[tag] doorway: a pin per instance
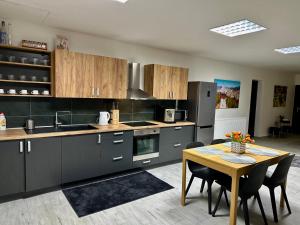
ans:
(253, 107)
(296, 114)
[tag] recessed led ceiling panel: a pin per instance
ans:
(238, 28)
(289, 50)
(121, 1)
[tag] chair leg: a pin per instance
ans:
(257, 196)
(218, 202)
(285, 198)
(209, 184)
(273, 201)
(226, 198)
(246, 212)
(202, 186)
(189, 185)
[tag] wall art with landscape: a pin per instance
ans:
(228, 94)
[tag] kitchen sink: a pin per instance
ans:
(60, 129)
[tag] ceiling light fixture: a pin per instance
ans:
(238, 28)
(289, 50)
(121, 1)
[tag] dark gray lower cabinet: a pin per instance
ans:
(81, 157)
(43, 163)
(117, 149)
(12, 169)
(173, 140)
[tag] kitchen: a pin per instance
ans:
(90, 112)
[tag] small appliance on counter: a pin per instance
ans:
(180, 115)
(103, 119)
(166, 115)
(30, 124)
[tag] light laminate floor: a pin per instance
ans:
(163, 208)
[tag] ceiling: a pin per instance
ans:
(178, 25)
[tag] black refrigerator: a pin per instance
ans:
(202, 108)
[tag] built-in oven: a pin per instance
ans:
(146, 144)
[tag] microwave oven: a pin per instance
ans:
(180, 115)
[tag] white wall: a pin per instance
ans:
(200, 68)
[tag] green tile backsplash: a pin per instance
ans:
(42, 110)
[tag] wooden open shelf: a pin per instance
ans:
(19, 48)
(24, 81)
(24, 64)
(10, 95)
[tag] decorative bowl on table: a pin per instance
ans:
(239, 141)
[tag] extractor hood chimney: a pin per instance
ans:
(135, 83)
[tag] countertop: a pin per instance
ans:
(19, 133)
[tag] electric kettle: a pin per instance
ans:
(104, 117)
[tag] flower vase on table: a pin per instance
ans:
(239, 141)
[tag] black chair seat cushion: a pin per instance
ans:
(267, 180)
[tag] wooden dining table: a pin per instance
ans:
(234, 170)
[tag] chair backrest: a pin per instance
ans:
(195, 145)
(280, 173)
(192, 165)
(254, 181)
(218, 141)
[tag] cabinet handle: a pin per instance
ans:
(147, 162)
(21, 147)
(169, 94)
(118, 141)
(178, 128)
(93, 91)
(28, 146)
(118, 158)
(177, 145)
(99, 139)
(118, 133)
(98, 91)
(172, 95)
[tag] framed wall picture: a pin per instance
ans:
(280, 93)
(228, 94)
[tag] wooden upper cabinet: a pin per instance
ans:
(74, 74)
(166, 82)
(179, 83)
(111, 77)
(79, 75)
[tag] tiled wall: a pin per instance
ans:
(42, 110)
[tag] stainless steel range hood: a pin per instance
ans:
(136, 83)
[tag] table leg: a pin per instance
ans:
(234, 198)
(183, 182)
(281, 197)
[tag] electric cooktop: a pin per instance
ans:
(139, 124)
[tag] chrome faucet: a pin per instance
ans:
(57, 123)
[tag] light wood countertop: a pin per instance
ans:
(19, 133)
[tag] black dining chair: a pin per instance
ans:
(278, 178)
(206, 174)
(248, 188)
(218, 141)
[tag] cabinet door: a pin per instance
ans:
(74, 74)
(43, 163)
(179, 83)
(12, 172)
(173, 140)
(158, 81)
(111, 77)
(81, 157)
